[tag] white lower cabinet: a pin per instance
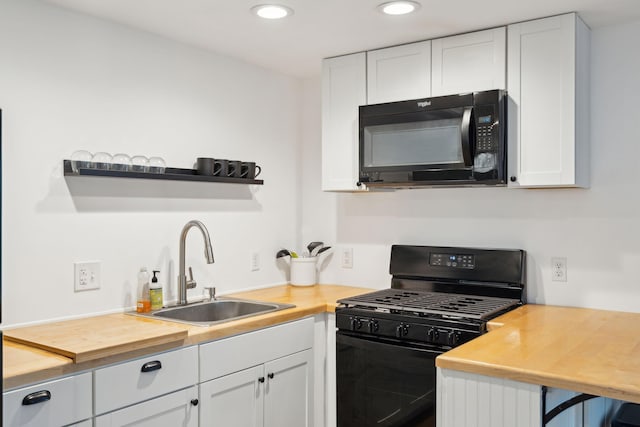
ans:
(262, 378)
(275, 394)
(179, 408)
(54, 403)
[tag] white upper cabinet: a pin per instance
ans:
(344, 89)
(548, 85)
(399, 73)
(468, 62)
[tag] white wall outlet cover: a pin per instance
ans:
(255, 261)
(559, 269)
(86, 275)
(347, 257)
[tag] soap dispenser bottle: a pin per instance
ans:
(143, 304)
(155, 292)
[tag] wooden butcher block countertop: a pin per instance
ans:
(40, 352)
(584, 350)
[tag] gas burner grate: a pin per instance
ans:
(422, 302)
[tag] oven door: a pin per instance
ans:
(383, 382)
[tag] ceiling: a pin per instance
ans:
(324, 28)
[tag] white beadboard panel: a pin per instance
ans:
(470, 400)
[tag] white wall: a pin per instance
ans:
(70, 82)
(597, 229)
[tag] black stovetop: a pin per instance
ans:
(432, 303)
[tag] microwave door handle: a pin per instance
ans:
(466, 128)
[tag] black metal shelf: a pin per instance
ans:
(170, 174)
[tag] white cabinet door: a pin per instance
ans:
(548, 85)
(343, 91)
(468, 62)
(235, 400)
(175, 409)
(399, 73)
(287, 400)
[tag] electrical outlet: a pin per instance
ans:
(347, 258)
(255, 261)
(559, 269)
(86, 275)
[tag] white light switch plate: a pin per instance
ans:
(347, 258)
(86, 275)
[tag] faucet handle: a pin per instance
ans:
(191, 283)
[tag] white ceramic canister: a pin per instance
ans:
(303, 271)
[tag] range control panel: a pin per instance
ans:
(453, 260)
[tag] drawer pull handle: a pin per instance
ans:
(261, 379)
(194, 402)
(151, 366)
(36, 397)
(270, 375)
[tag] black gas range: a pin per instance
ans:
(387, 340)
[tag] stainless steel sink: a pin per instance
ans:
(213, 312)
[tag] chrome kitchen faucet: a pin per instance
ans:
(183, 283)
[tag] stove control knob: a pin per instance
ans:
(373, 326)
(355, 323)
(454, 338)
(431, 335)
(402, 330)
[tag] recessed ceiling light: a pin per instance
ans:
(399, 7)
(272, 11)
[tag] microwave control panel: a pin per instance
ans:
(486, 123)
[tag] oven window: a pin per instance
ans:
(425, 143)
(380, 383)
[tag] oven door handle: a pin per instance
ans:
(467, 129)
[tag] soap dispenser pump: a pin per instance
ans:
(155, 292)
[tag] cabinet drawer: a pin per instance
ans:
(175, 409)
(131, 382)
(59, 402)
(233, 354)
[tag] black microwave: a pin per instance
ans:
(455, 140)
